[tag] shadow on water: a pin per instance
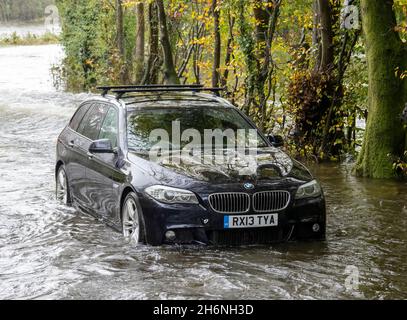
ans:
(49, 251)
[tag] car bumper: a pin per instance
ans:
(302, 220)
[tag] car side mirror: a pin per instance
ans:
(276, 141)
(101, 146)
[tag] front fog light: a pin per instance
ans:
(170, 235)
(316, 227)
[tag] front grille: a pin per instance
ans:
(269, 201)
(239, 237)
(239, 202)
(230, 202)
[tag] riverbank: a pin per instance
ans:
(29, 39)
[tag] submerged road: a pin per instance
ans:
(48, 251)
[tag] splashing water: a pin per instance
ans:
(48, 251)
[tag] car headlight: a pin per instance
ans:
(309, 190)
(171, 195)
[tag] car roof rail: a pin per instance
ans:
(122, 90)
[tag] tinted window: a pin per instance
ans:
(92, 122)
(142, 122)
(110, 127)
(78, 116)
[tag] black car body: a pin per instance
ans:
(101, 170)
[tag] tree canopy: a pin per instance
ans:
(298, 68)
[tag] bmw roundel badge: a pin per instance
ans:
(248, 186)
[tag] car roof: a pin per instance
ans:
(162, 99)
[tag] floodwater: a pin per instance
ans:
(23, 30)
(48, 251)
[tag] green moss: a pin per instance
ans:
(385, 136)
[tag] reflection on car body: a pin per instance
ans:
(104, 168)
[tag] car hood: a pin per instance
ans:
(267, 164)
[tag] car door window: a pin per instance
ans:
(109, 129)
(78, 116)
(92, 122)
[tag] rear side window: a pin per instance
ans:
(109, 128)
(92, 122)
(78, 116)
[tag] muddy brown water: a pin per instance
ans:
(48, 251)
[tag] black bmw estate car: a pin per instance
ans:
(105, 167)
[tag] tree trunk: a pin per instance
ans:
(263, 62)
(119, 26)
(315, 23)
(316, 33)
(384, 138)
(140, 42)
(229, 51)
(196, 57)
(170, 75)
(120, 39)
(3, 12)
(217, 48)
(327, 49)
(153, 61)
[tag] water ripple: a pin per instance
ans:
(48, 251)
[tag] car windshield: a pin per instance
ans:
(187, 124)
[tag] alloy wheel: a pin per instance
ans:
(131, 222)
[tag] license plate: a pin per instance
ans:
(252, 221)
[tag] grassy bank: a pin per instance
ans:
(29, 39)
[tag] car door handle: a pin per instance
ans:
(71, 144)
(90, 156)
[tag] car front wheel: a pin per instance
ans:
(132, 220)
